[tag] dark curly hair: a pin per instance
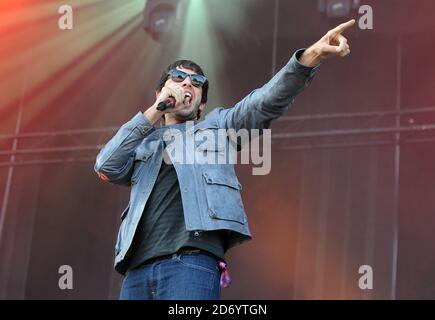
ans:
(187, 64)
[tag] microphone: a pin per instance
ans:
(168, 103)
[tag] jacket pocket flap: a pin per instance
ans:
(142, 154)
(209, 145)
(214, 177)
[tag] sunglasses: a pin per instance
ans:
(179, 76)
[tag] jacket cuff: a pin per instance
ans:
(309, 72)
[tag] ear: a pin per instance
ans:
(157, 94)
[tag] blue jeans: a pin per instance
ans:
(185, 276)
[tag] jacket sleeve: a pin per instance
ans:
(261, 106)
(115, 160)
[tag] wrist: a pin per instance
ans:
(310, 57)
(152, 114)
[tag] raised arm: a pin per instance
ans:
(258, 109)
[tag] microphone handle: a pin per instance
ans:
(162, 106)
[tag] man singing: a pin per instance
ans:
(183, 217)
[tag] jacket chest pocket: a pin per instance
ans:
(224, 201)
(140, 161)
(210, 146)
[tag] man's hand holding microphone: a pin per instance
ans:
(169, 100)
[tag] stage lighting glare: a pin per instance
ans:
(338, 8)
(163, 17)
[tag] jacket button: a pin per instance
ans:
(196, 234)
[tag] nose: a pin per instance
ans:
(186, 82)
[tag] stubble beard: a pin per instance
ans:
(187, 115)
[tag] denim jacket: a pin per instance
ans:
(210, 192)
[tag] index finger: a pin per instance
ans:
(343, 27)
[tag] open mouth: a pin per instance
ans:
(187, 98)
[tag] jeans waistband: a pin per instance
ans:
(184, 250)
(225, 279)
